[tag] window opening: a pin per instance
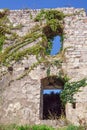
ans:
(51, 104)
(56, 45)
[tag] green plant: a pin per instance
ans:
(49, 14)
(72, 127)
(54, 26)
(23, 127)
(48, 71)
(3, 27)
(62, 128)
(9, 53)
(63, 77)
(13, 36)
(40, 16)
(39, 127)
(53, 18)
(70, 89)
(44, 47)
(19, 26)
(49, 47)
(42, 127)
(2, 39)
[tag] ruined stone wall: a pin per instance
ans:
(20, 99)
(76, 62)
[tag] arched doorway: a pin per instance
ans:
(51, 104)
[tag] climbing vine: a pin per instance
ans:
(52, 27)
(3, 27)
(70, 88)
(53, 21)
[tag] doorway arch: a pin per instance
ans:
(50, 101)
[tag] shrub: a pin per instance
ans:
(72, 127)
(42, 127)
(25, 127)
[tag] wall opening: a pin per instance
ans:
(51, 104)
(52, 40)
(56, 45)
(74, 105)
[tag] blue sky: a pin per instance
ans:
(56, 45)
(33, 4)
(47, 91)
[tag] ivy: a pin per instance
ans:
(2, 39)
(53, 26)
(63, 77)
(54, 14)
(49, 14)
(53, 19)
(12, 52)
(40, 16)
(32, 50)
(70, 89)
(48, 71)
(49, 46)
(42, 49)
(3, 27)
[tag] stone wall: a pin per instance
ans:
(76, 62)
(20, 99)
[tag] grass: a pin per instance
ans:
(39, 127)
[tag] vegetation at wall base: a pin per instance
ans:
(40, 127)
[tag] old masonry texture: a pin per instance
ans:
(20, 99)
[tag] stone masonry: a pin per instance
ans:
(20, 99)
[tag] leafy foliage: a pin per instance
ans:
(49, 14)
(3, 27)
(53, 18)
(43, 48)
(39, 127)
(2, 39)
(70, 89)
(42, 127)
(53, 26)
(72, 127)
(48, 71)
(49, 46)
(25, 127)
(40, 16)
